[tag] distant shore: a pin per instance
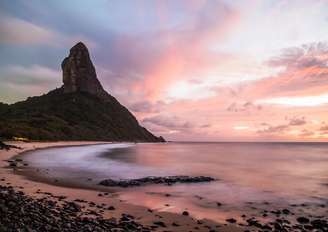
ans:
(105, 205)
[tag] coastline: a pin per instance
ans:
(142, 215)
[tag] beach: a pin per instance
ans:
(84, 180)
(104, 204)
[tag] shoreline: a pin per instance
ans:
(146, 217)
(108, 204)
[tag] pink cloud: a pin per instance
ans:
(185, 50)
(305, 71)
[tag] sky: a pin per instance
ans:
(189, 70)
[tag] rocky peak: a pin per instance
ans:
(79, 74)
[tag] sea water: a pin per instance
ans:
(249, 175)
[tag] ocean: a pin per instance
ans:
(251, 177)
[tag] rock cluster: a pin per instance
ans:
(284, 220)
(79, 74)
(168, 180)
(281, 224)
(19, 212)
(7, 147)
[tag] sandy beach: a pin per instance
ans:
(97, 201)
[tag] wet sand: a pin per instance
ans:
(104, 203)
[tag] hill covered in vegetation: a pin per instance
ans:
(80, 110)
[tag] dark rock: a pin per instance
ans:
(175, 224)
(155, 180)
(308, 227)
(231, 220)
(72, 207)
(303, 220)
(285, 211)
(4, 146)
(79, 74)
(277, 212)
(278, 226)
(159, 223)
(253, 222)
(185, 213)
(320, 224)
(13, 164)
(22, 213)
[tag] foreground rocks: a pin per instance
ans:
(19, 212)
(16, 163)
(168, 180)
(299, 218)
(7, 147)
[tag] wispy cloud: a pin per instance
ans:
(27, 81)
(304, 72)
(147, 107)
(309, 101)
(242, 107)
(15, 31)
(273, 129)
(169, 122)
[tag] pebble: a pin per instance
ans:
(185, 213)
(303, 220)
(23, 213)
(231, 220)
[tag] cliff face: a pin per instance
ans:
(80, 110)
(79, 74)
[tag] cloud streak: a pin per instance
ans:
(293, 122)
(27, 81)
(15, 31)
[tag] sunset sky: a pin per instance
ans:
(189, 70)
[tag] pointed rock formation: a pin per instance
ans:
(79, 74)
(80, 110)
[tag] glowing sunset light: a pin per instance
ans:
(185, 90)
(240, 127)
(298, 101)
(189, 70)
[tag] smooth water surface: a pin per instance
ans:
(248, 173)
